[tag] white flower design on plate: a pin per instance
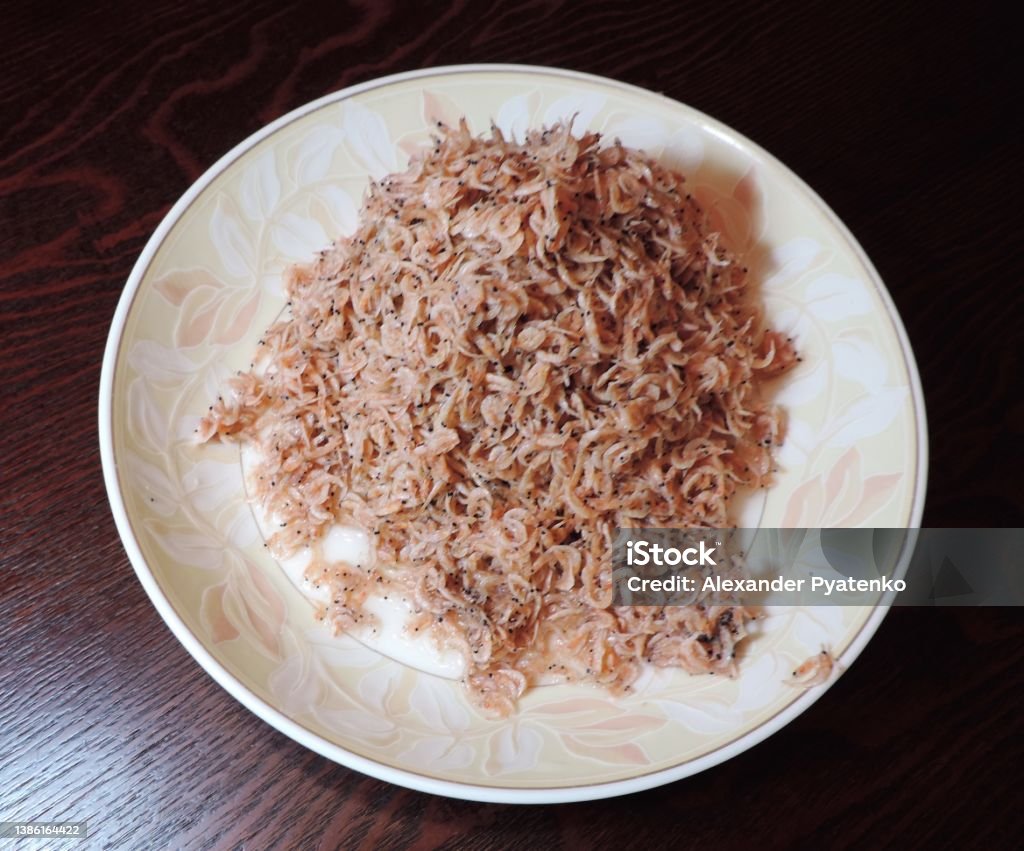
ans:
(368, 139)
(580, 107)
(513, 747)
(260, 187)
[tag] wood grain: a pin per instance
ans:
(902, 116)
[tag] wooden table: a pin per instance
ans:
(905, 120)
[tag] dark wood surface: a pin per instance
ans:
(903, 117)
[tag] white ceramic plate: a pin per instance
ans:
(209, 282)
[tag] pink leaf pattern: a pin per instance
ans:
(175, 286)
(624, 754)
(214, 619)
(438, 107)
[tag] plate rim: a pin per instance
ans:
(379, 770)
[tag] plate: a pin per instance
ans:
(209, 282)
